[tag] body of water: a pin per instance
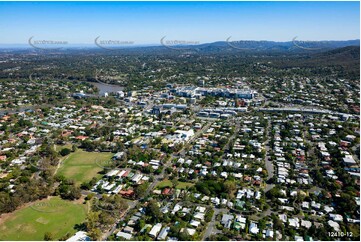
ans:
(103, 88)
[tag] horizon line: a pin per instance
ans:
(94, 44)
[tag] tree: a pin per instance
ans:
(175, 182)
(347, 203)
(153, 210)
(89, 196)
(274, 193)
(48, 236)
(65, 152)
(92, 220)
(140, 224)
(209, 215)
(70, 192)
(65, 237)
(184, 236)
(140, 190)
(230, 187)
(95, 234)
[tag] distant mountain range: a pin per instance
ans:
(221, 46)
(348, 58)
(295, 45)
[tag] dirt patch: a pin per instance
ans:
(80, 200)
(42, 220)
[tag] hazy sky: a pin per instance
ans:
(148, 22)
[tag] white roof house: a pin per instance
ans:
(137, 178)
(268, 233)
(201, 209)
(253, 228)
(176, 208)
(349, 160)
(336, 217)
(294, 222)
(79, 236)
(112, 173)
(334, 225)
(199, 216)
(306, 224)
(191, 231)
(195, 223)
(126, 236)
(155, 230)
(241, 219)
(163, 234)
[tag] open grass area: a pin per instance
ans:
(60, 147)
(168, 183)
(184, 185)
(164, 183)
(49, 215)
(82, 166)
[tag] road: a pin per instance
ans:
(268, 163)
(211, 225)
(131, 205)
(195, 136)
(151, 187)
(354, 149)
(157, 178)
(236, 131)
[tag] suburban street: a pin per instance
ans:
(268, 163)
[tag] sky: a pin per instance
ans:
(203, 22)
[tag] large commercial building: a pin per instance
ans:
(194, 92)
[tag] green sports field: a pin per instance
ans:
(82, 166)
(49, 215)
